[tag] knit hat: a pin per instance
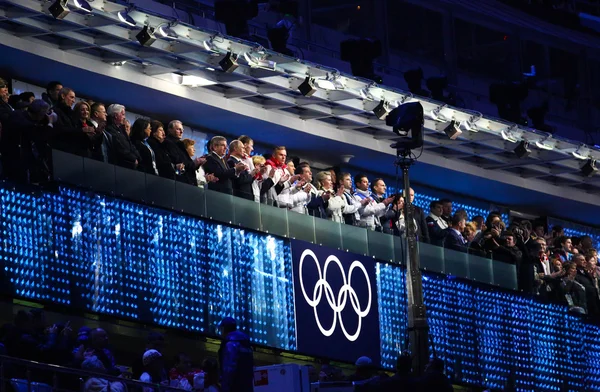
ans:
(150, 356)
(363, 362)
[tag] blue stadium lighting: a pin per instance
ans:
(168, 270)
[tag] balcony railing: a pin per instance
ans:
(169, 194)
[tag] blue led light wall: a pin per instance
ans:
(109, 256)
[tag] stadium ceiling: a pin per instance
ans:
(189, 56)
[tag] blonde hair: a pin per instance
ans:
(471, 226)
(258, 160)
(321, 176)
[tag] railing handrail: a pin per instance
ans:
(81, 372)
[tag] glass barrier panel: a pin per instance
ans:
(130, 184)
(480, 269)
(190, 199)
(301, 226)
(456, 263)
(400, 249)
(328, 233)
(354, 239)
(274, 220)
(246, 213)
(99, 176)
(432, 258)
(160, 191)
(67, 168)
(381, 246)
(505, 275)
(219, 206)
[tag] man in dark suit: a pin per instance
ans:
(419, 217)
(242, 184)
(454, 239)
(215, 165)
(69, 135)
(125, 153)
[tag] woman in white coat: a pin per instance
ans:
(336, 202)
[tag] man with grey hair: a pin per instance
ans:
(124, 152)
(242, 184)
(174, 145)
(215, 164)
(26, 154)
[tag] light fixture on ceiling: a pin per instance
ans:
(195, 81)
(165, 30)
(125, 18)
(522, 150)
(437, 115)
(546, 143)
(229, 62)
(307, 88)
(450, 128)
(471, 124)
(331, 82)
(146, 36)
(259, 60)
(588, 169)
(59, 9)
(210, 46)
(511, 134)
(382, 109)
(83, 5)
(582, 152)
(118, 64)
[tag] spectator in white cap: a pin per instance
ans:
(153, 369)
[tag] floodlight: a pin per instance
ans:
(59, 9)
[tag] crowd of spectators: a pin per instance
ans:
(549, 264)
(30, 337)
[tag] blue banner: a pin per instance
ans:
(336, 303)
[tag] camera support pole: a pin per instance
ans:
(417, 318)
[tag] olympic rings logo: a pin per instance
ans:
(338, 303)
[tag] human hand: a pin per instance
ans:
(211, 178)
(284, 178)
(326, 196)
(365, 201)
(272, 173)
(240, 166)
(300, 184)
(200, 161)
(295, 178)
(388, 201)
(340, 190)
(89, 130)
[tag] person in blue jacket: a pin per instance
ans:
(236, 358)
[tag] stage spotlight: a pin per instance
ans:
(125, 18)
(83, 5)
(146, 36)
(450, 128)
(229, 62)
(360, 53)
(307, 88)
(382, 110)
(589, 168)
(522, 150)
(59, 9)
(407, 122)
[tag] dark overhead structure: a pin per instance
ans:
(59, 9)
(360, 53)
(522, 150)
(235, 14)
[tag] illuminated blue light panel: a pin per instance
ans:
(109, 256)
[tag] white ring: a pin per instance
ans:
(337, 303)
